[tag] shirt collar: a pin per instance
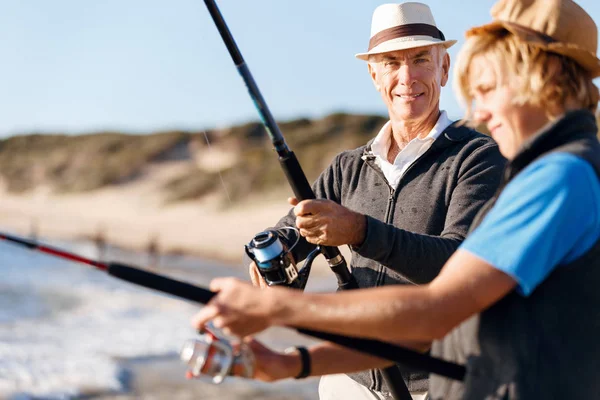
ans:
(381, 143)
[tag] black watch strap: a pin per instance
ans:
(304, 361)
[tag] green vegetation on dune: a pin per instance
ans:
(257, 169)
(79, 163)
(68, 163)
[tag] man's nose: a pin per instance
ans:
(406, 75)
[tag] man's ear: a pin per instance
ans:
(445, 69)
(373, 73)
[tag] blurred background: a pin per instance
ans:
(126, 134)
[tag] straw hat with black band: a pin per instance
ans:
(403, 26)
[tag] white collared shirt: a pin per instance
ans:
(409, 154)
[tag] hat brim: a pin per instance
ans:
(403, 44)
(583, 57)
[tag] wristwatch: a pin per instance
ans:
(304, 360)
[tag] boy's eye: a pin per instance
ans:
(483, 90)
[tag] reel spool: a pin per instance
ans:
(275, 262)
(215, 357)
(273, 259)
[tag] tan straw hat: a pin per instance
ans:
(557, 26)
(403, 26)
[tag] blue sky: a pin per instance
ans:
(147, 65)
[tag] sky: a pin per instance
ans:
(141, 66)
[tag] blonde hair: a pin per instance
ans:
(540, 78)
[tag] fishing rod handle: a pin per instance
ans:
(161, 283)
(398, 354)
(392, 375)
(345, 279)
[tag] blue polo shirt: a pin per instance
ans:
(547, 216)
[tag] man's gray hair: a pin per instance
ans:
(374, 58)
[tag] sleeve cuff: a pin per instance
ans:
(375, 232)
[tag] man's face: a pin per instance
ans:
(410, 81)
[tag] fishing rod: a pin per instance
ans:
(302, 189)
(201, 295)
(125, 272)
(289, 163)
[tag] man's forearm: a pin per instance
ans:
(328, 358)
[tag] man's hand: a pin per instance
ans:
(324, 222)
(269, 365)
(256, 277)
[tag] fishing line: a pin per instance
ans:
(219, 171)
(291, 228)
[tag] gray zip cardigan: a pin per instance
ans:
(414, 228)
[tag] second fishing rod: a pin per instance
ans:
(201, 295)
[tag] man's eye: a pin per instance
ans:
(421, 60)
(391, 63)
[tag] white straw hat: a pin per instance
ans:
(403, 26)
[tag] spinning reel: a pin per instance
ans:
(275, 262)
(216, 356)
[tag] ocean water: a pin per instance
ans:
(64, 326)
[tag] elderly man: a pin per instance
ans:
(404, 201)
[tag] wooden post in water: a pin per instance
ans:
(99, 240)
(153, 252)
(34, 229)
